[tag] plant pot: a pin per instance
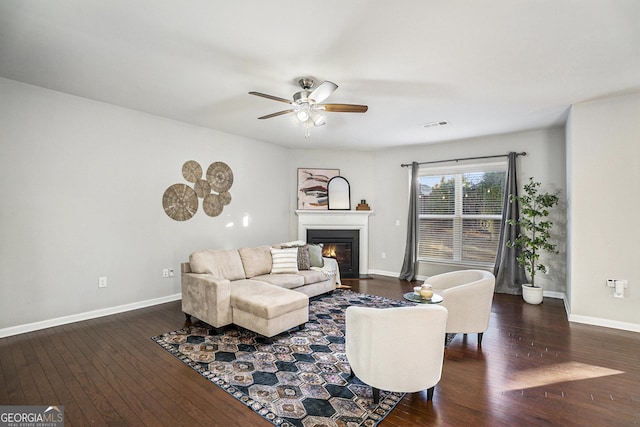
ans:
(531, 294)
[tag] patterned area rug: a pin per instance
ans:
(300, 378)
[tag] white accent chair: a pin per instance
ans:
(468, 295)
(398, 349)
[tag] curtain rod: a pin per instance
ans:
(404, 165)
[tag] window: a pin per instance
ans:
(460, 211)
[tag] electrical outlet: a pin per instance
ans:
(102, 282)
(172, 273)
(165, 272)
(620, 286)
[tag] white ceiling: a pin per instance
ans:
(487, 67)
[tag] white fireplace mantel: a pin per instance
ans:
(338, 220)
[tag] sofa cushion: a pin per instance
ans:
(284, 260)
(220, 263)
(265, 301)
(313, 276)
(256, 261)
(315, 255)
(287, 281)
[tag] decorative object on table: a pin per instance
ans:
(300, 377)
(416, 297)
(307, 108)
(312, 188)
(178, 200)
(339, 194)
(534, 235)
(363, 206)
(426, 291)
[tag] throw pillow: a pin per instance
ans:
(303, 252)
(304, 262)
(284, 260)
(315, 255)
(295, 243)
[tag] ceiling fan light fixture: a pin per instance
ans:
(302, 115)
(317, 118)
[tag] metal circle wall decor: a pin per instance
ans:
(180, 201)
(225, 197)
(212, 205)
(202, 188)
(220, 176)
(192, 171)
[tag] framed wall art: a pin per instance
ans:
(312, 188)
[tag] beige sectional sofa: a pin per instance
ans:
(262, 289)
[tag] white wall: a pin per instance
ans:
(82, 184)
(603, 138)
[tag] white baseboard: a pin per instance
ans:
(595, 321)
(384, 273)
(395, 274)
(553, 294)
(35, 326)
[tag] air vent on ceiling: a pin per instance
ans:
(435, 124)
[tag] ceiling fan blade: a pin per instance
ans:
(279, 113)
(275, 98)
(323, 91)
(342, 108)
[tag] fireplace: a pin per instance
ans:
(343, 245)
(322, 220)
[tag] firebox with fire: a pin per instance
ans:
(342, 245)
(340, 251)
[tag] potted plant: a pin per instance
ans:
(534, 235)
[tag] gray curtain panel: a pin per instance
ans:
(509, 274)
(408, 271)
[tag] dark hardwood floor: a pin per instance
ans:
(533, 368)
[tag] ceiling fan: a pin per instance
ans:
(307, 107)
